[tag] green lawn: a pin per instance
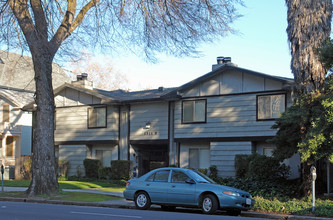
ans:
(116, 186)
(65, 196)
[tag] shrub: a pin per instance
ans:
(63, 166)
(121, 169)
(91, 167)
(213, 173)
(104, 173)
(260, 167)
(267, 189)
(26, 171)
(203, 171)
(241, 164)
(154, 165)
(294, 206)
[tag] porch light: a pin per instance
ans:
(147, 126)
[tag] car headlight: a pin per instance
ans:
(231, 193)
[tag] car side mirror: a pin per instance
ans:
(190, 181)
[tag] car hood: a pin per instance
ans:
(224, 188)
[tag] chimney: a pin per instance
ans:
(221, 61)
(84, 76)
(82, 81)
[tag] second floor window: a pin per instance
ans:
(194, 111)
(5, 113)
(270, 106)
(97, 117)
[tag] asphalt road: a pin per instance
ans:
(33, 211)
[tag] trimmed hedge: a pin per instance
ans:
(104, 173)
(121, 169)
(91, 167)
(260, 167)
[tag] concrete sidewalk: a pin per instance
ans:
(122, 203)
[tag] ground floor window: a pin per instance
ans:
(106, 154)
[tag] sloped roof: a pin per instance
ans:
(230, 66)
(17, 71)
(136, 96)
(94, 92)
(18, 97)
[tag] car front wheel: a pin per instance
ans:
(142, 200)
(209, 204)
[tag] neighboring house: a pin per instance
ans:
(17, 90)
(205, 122)
(15, 128)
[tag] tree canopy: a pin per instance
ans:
(306, 127)
(142, 27)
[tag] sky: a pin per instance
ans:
(261, 46)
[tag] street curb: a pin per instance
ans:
(103, 205)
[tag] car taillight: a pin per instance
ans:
(127, 184)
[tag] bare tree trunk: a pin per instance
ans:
(44, 179)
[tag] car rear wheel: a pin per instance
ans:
(142, 200)
(209, 204)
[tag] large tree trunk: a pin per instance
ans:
(44, 179)
(309, 25)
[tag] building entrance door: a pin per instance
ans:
(151, 157)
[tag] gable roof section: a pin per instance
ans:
(17, 97)
(227, 67)
(17, 71)
(96, 93)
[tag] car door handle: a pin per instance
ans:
(147, 184)
(173, 186)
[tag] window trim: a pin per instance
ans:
(272, 94)
(88, 116)
(194, 122)
(3, 113)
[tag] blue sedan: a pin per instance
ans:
(171, 187)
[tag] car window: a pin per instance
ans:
(199, 177)
(178, 177)
(161, 176)
(151, 177)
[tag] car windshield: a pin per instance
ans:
(200, 178)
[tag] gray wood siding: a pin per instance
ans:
(227, 116)
(222, 154)
(75, 154)
(231, 82)
(156, 114)
(71, 125)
